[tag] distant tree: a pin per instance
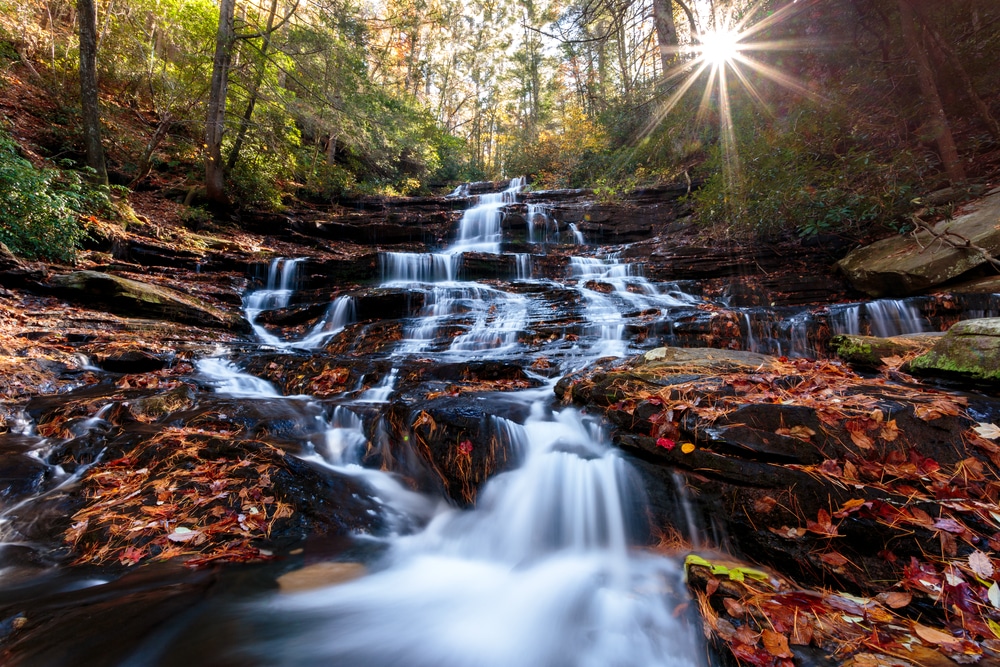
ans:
(87, 19)
(938, 119)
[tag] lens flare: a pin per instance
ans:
(723, 58)
(719, 47)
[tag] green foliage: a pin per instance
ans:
(40, 209)
(808, 173)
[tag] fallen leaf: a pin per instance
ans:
(764, 504)
(687, 448)
(981, 564)
(833, 559)
(666, 443)
(994, 595)
(895, 599)
(776, 644)
(934, 636)
(734, 608)
(986, 430)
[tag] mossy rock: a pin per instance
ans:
(970, 350)
(869, 351)
(132, 298)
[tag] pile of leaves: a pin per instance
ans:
(763, 618)
(187, 493)
(875, 485)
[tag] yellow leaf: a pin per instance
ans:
(994, 626)
(687, 448)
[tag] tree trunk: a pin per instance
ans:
(146, 161)
(215, 178)
(666, 31)
(953, 59)
(932, 99)
(241, 134)
(88, 90)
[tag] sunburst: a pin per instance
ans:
(725, 51)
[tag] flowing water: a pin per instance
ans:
(546, 569)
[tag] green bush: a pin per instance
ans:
(40, 209)
(806, 174)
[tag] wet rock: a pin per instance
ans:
(969, 350)
(20, 475)
(784, 446)
(130, 361)
(904, 265)
(137, 299)
(869, 351)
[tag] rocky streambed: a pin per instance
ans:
(469, 431)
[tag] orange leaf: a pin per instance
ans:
(895, 599)
(776, 644)
(934, 636)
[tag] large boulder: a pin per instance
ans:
(970, 350)
(138, 299)
(904, 265)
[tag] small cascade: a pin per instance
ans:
(282, 276)
(694, 529)
(523, 266)
(752, 345)
(344, 440)
(460, 191)
(405, 268)
(883, 318)
(381, 392)
(339, 314)
(540, 573)
(495, 328)
(578, 236)
(479, 230)
(893, 317)
(227, 379)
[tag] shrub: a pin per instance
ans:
(40, 209)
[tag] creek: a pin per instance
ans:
(543, 564)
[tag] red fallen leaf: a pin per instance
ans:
(833, 559)
(666, 443)
(751, 655)
(895, 599)
(764, 504)
(131, 556)
(822, 524)
(465, 448)
(734, 608)
(831, 467)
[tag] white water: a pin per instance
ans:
(885, 318)
(539, 574)
(544, 571)
(282, 277)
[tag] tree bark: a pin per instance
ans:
(932, 99)
(666, 31)
(87, 16)
(215, 177)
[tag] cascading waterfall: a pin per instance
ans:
(281, 282)
(539, 574)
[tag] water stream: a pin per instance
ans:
(547, 569)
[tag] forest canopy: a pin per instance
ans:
(807, 115)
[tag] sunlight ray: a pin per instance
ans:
(780, 77)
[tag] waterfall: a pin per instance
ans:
(539, 574)
(282, 277)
